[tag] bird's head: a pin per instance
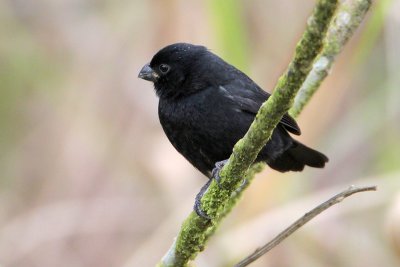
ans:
(181, 69)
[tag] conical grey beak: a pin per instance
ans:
(148, 74)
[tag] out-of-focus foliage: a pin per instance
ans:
(89, 179)
(228, 24)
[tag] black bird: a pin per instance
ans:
(206, 105)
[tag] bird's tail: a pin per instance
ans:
(298, 156)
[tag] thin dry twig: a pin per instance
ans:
(302, 221)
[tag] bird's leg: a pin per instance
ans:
(214, 176)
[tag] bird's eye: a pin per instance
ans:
(164, 68)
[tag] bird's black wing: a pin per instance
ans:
(249, 98)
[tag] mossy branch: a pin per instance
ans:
(347, 19)
(217, 202)
(195, 230)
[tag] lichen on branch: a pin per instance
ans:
(346, 20)
(218, 201)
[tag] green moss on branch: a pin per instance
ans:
(347, 19)
(195, 231)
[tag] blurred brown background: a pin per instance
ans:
(87, 177)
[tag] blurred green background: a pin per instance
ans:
(87, 177)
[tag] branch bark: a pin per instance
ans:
(346, 20)
(195, 231)
(348, 17)
(218, 201)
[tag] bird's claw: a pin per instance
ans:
(197, 202)
(243, 185)
(217, 169)
(214, 176)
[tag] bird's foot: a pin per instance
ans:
(242, 186)
(197, 202)
(217, 169)
(214, 176)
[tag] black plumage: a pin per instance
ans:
(206, 105)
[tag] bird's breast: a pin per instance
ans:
(179, 118)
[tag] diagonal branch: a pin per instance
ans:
(302, 221)
(195, 230)
(347, 19)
